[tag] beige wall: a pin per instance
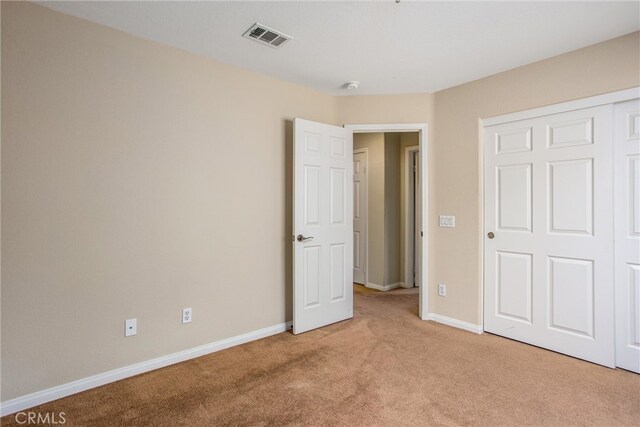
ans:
(392, 272)
(601, 68)
(454, 154)
(374, 143)
(118, 157)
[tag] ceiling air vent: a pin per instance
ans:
(266, 35)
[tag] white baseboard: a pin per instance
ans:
(385, 288)
(449, 321)
(57, 392)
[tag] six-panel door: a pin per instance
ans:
(627, 233)
(323, 219)
(548, 201)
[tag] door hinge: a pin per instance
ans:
(421, 234)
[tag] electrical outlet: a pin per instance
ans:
(186, 315)
(442, 290)
(130, 327)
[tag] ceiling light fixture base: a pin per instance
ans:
(353, 84)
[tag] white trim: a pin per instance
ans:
(385, 288)
(449, 321)
(57, 392)
(481, 191)
(593, 101)
(409, 213)
(408, 127)
(365, 150)
(423, 138)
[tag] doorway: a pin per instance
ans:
(323, 205)
(394, 230)
(385, 222)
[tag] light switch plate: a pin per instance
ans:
(447, 221)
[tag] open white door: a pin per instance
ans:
(322, 225)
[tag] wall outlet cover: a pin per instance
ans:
(442, 290)
(130, 327)
(187, 315)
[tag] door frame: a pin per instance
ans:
(422, 129)
(365, 150)
(409, 215)
(577, 104)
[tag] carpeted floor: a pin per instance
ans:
(384, 367)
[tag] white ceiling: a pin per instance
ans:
(390, 48)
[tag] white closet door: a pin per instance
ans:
(549, 257)
(627, 234)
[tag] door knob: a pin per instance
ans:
(490, 235)
(301, 238)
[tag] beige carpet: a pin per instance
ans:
(384, 367)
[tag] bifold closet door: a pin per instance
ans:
(627, 233)
(549, 232)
